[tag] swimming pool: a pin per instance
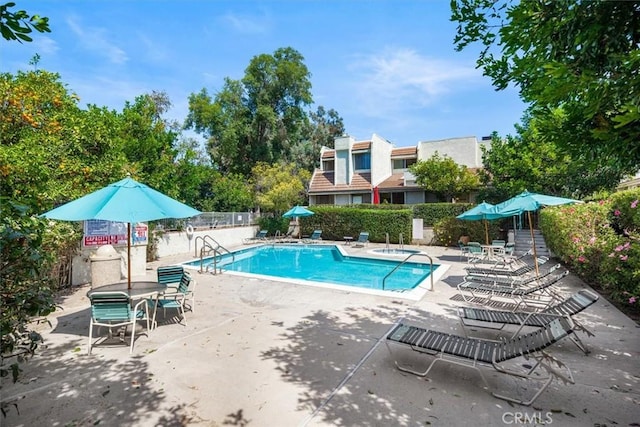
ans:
(326, 264)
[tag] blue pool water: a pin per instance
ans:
(324, 264)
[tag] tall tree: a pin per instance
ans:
(322, 129)
(532, 161)
(279, 186)
(578, 55)
(259, 118)
(444, 177)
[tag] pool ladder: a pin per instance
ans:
(210, 245)
(404, 262)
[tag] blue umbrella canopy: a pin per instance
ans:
(528, 202)
(297, 211)
(124, 201)
(484, 211)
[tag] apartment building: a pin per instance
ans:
(376, 171)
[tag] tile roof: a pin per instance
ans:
(323, 182)
(364, 145)
(404, 151)
(394, 181)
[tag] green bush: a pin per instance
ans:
(448, 231)
(600, 242)
(432, 213)
(339, 221)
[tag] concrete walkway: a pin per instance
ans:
(263, 353)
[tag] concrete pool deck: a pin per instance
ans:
(265, 353)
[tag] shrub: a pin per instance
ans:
(600, 242)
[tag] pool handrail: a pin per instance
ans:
(214, 247)
(404, 261)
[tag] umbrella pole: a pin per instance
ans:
(533, 242)
(486, 232)
(129, 256)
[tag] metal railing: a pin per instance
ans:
(210, 220)
(404, 262)
(210, 245)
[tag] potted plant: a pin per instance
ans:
(464, 235)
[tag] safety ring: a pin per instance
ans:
(189, 230)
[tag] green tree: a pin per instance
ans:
(231, 193)
(322, 129)
(259, 118)
(532, 161)
(581, 56)
(444, 177)
(279, 186)
(17, 25)
(150, 142)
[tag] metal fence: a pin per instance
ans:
(210, 220)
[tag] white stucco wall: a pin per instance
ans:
(380, 159)
(171, 243)
(464, 151)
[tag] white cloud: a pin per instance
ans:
(96, 40)
(46, 45)
(246, 24)
(402, 80)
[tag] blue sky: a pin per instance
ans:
(387, 67)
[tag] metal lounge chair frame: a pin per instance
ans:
(260, 236)
(315, 237)
(477, 352)
(512, 280)
(497, 319)
(537, 293)
(113, 310)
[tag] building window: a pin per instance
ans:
(362, 161)
(392, 198)
(357, 199)
(328, 165)
(403, 163)
(325, 200)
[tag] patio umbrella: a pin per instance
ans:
(529, 202)
(484, 211)
(376, 196)
(124, 201)
(297, 212)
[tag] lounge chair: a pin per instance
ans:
(178, 299)
(538, 292)
(506, 267)
(511, 280)
(473, 352)
(315, 237)
(363, 240)
(113, 310)
(260, 236)
(497, 319)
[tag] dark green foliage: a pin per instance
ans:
(17, 25)
(431, 213)
(448, 231)
(600, 242)
(337, 222)
(274, 224)
(578, 55)
(26, 290)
